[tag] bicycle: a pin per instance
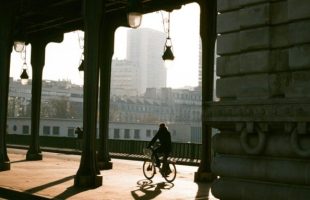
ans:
(168, 171)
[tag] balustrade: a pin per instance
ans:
(180, 151)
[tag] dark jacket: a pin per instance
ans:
(164, 137)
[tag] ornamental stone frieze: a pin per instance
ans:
(286, 110)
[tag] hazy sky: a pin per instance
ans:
(62, 60)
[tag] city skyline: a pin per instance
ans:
(62, 60)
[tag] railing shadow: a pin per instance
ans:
(42, 187)
(69, 192)
(149, 190)
(18, 161)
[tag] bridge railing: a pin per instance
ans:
(179, 150)
(185, 151)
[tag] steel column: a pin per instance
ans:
(6, 26)
(37, 62)
(88, 174)
(208, 15)
(106, 49)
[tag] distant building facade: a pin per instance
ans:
(124, 78)
(63, 101)
(59, 99)
(145, 49)
(182, 133)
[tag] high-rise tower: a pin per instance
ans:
(144, 50)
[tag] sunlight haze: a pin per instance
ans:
(62, 59)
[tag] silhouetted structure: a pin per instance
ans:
(263, 86)
(39, 23)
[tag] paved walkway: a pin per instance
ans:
(52, 178)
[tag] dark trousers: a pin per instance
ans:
(161, 151)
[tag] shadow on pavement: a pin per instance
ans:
(42, 187)
(149, 190)
(6, 194)
(69, 192)
(18, 161)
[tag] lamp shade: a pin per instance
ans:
(168, 55)
(134, 19)
(19, 46)
(134, 13)
(24, 77)
(81, 67)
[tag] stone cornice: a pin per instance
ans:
(274, 110)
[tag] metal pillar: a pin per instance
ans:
(88, 174)
(106, 49)
(37, 62)
(208, 35)
(6, 25)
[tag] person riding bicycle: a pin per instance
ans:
(164, 137)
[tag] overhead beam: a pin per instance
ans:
(67, 15)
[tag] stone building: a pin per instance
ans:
(262, 151)
(62, 100)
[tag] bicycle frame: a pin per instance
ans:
(168, 171)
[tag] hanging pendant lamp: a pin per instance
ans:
(168, 54)
(24, 77)
(134, 13)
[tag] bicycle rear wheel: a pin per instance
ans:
(171, 173)
(148, 169)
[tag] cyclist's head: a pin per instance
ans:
(163, 126)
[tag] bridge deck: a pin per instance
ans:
(52, 178)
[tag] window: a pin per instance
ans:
(70, 132)
(137, 134)
(116, 133)
(46, 130)
(127, 134)
(25, 129)
(148, 133)
(56, 130)
(14, 128)
(154, 132)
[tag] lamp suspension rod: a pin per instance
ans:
(169, 25)
(24, 54)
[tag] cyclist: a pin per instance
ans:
(164, 137)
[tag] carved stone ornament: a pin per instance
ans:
(280, 110)
(251, 128)
(299, 130)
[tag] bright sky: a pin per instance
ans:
(62, 60)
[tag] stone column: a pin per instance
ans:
(88, 174)
(6, 26)
(208, 35)
(106, 49)
(37, 62)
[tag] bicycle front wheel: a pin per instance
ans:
(171, 173)
(148, 169)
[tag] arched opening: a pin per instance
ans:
(145, 92)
